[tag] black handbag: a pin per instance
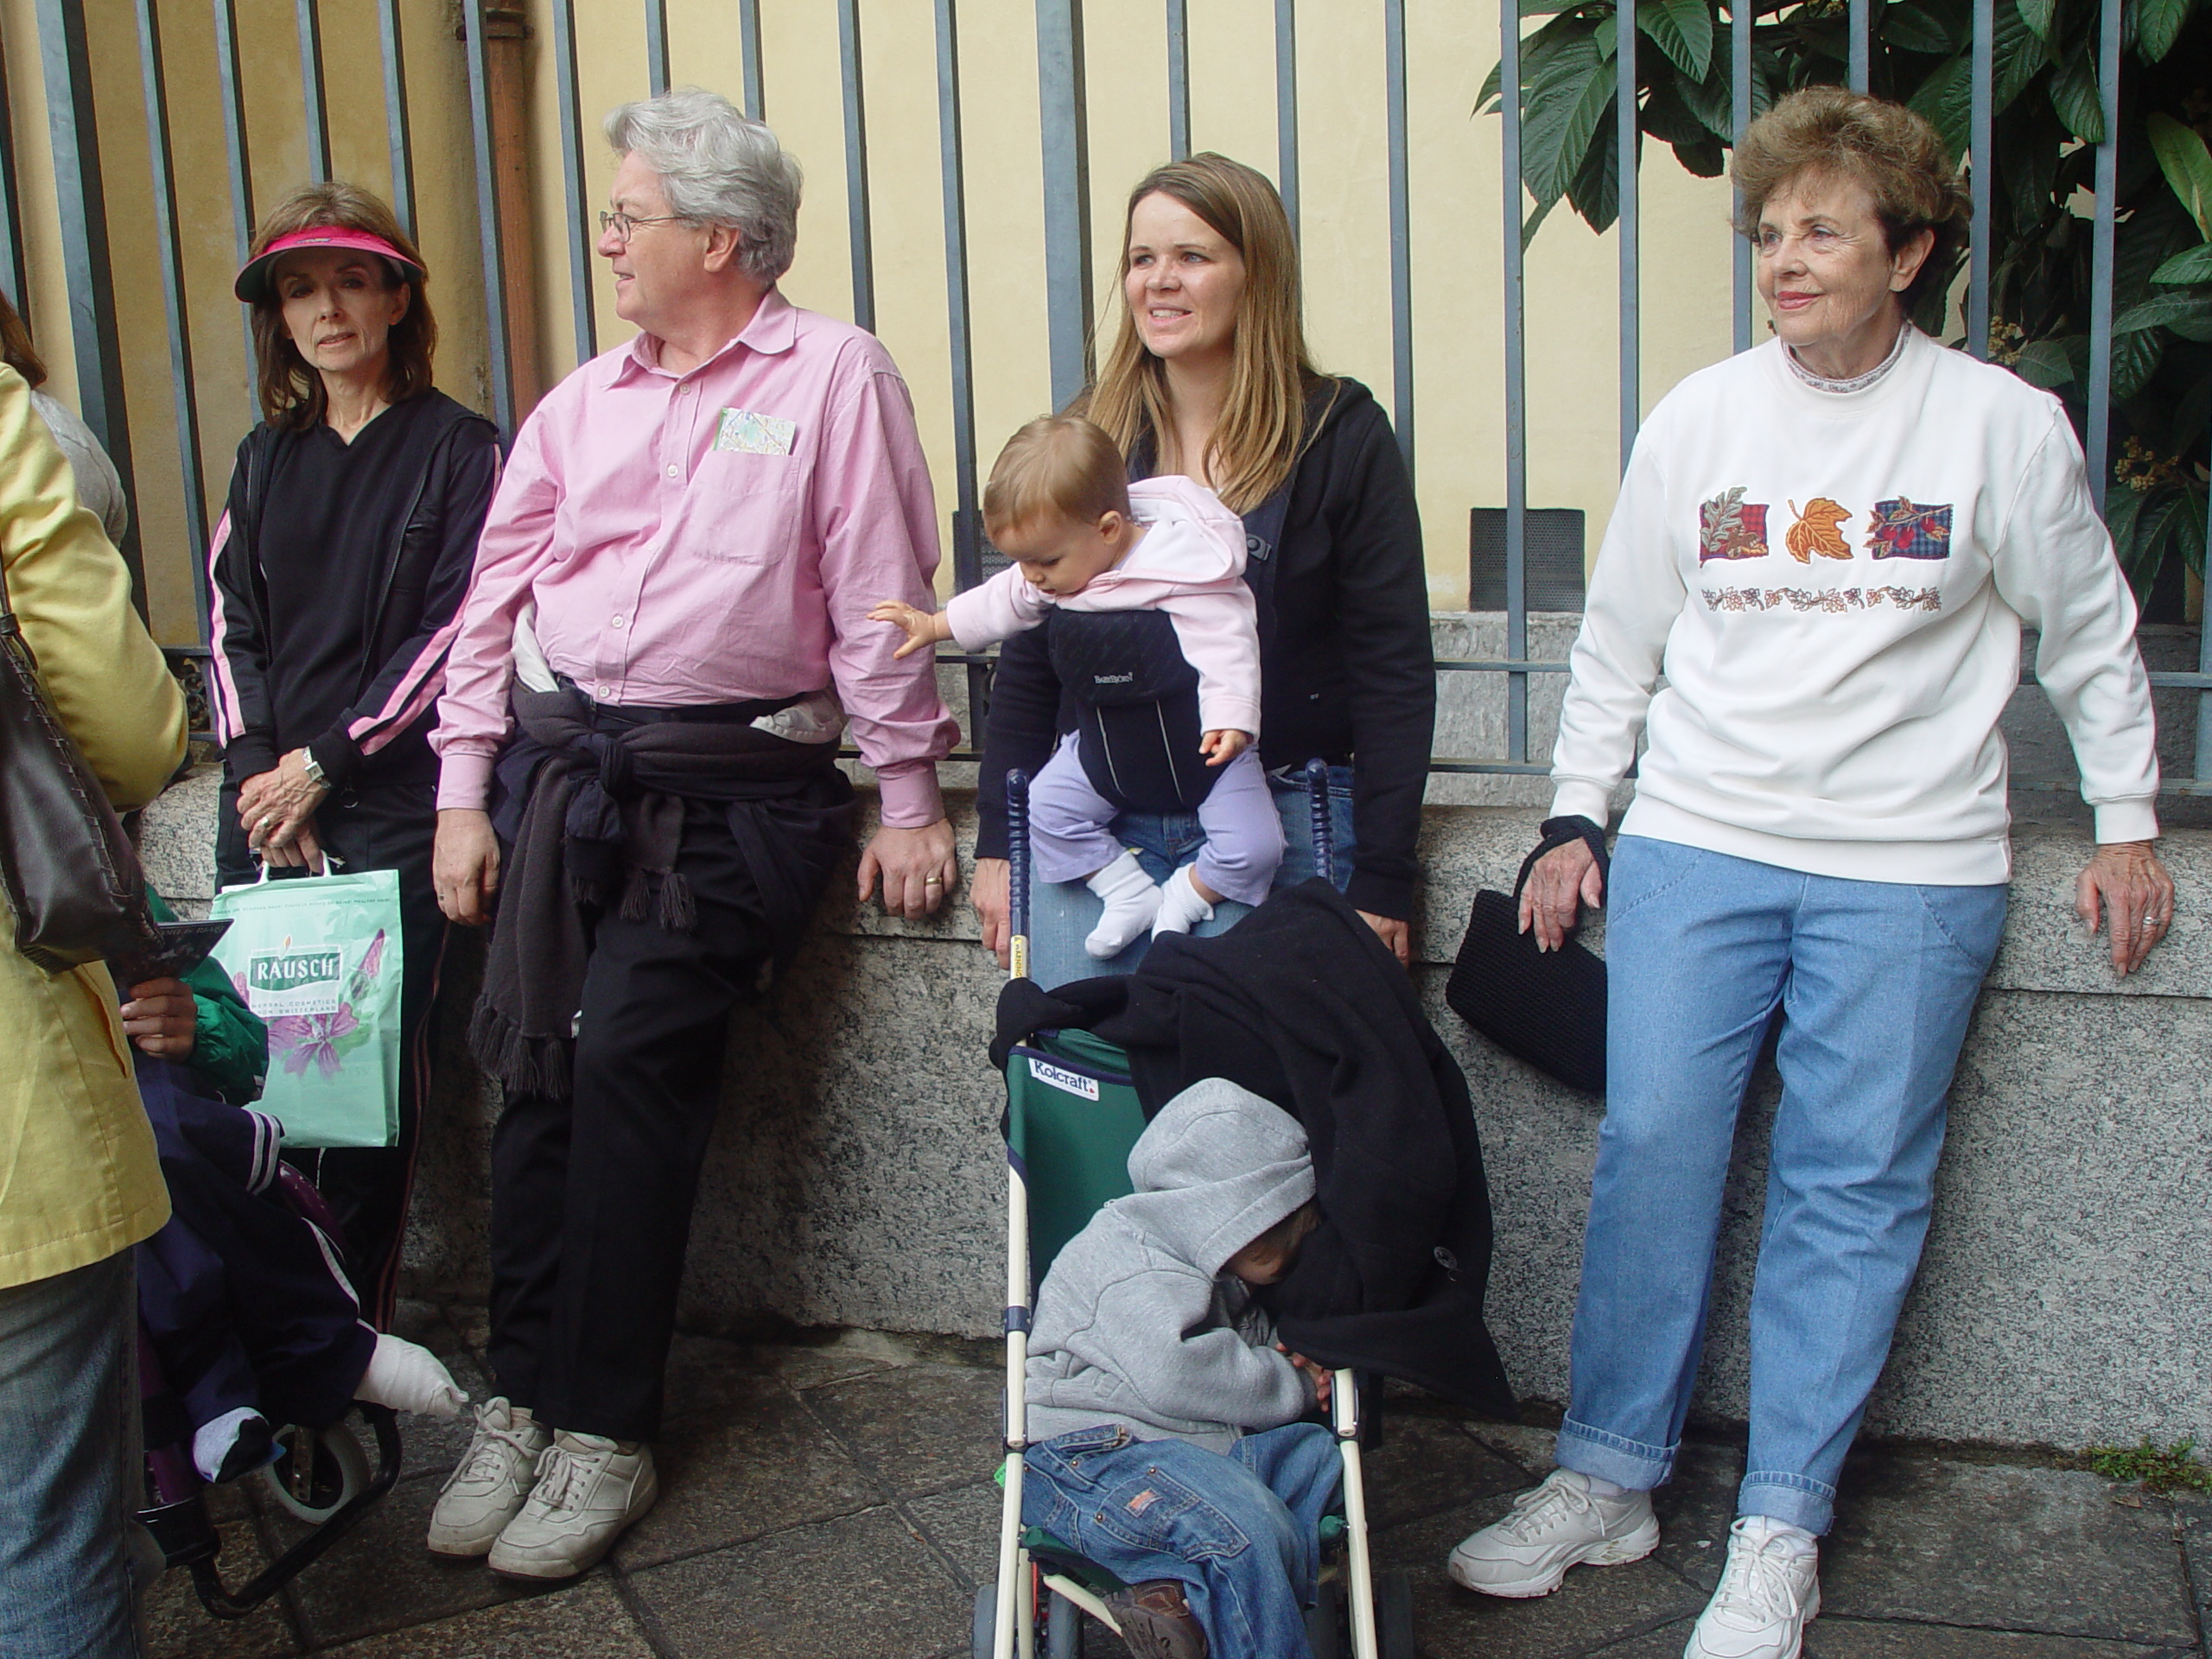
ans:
(69, 871)
(1544, 1007)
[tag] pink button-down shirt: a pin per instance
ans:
(714, 536)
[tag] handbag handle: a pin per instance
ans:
(1558, 832)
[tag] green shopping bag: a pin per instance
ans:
(318, 958)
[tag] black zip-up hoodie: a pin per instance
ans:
(1346, 671)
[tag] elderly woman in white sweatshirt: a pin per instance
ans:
(1828, 546)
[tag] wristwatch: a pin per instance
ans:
(312, 767)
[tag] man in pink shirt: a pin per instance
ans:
(666, 632)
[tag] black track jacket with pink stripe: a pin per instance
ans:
(338, 572)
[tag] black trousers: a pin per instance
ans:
(591, 1196)
(384, 827)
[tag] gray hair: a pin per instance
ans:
(718, 166)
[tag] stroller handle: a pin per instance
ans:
(1325, 834)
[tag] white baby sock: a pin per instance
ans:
(1132, 899)
(407, 1377)
(1180, 907)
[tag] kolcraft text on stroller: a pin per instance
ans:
(1072, 1117)
(321, 1477)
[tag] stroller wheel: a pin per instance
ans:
(317, 1473)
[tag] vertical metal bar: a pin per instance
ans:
(308, 17)
(1741, 16)
(2204, 666)
(1631, 319)
(1062, 101)
(14, 271)
(657, 45)
(238, 160)
(1287, 107)
(967, 527)
(1516, 393)
(499, 360)
(859, 232)
(1178, 79)
(2100, 265)
(1861, 24)
(1981, 146)
(1401, 278)
(73, 125)
(748, 41)
(581, 318)
(153, 75)
(399, 133)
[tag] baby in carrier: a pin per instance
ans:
(1154, 635)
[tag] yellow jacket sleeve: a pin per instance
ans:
(103, 672)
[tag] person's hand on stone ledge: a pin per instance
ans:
(2126, 886)
(917, 866)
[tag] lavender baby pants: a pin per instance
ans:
(1069, 821)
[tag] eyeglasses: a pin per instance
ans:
(623, 223)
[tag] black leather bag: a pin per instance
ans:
(1546, 1008)
(70, 873)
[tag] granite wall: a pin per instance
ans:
(856, 1177)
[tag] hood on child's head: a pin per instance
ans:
(1216, 1168)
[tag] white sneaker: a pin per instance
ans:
(1559, 1524)
(588, 1490)
(1770, 1591)
(490, 1481)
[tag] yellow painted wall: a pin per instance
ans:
(1458, 214)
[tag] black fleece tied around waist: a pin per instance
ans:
(594, 803)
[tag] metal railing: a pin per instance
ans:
(1070, 265)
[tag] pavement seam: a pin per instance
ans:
(641, 1613)
(895, 1500)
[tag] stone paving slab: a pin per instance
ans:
(859, 1584)
(179, 1628)
(587, 1621)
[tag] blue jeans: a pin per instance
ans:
(1242, 1530)
(1062, 913)
(68, 1462)
(1876, 982)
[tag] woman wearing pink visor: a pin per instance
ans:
(338, 568)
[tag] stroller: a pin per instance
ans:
(1071, 1118)
(321, 1477)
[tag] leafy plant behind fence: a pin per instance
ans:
(2048, 121)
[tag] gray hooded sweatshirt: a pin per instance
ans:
(1136, 1324)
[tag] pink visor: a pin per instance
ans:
(252, 285)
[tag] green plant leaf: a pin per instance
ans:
(1566, 99)
(2038, 16)
(1946, 98)
(2176, 311)
(2158, 25)
(2123, 507)
(2134, 359)
(1682, 29)
(2189, 266)
(2074, 95)
(2017, 57)
(1535, 222)
(1595, 190)
(2045, 363)
(1911, 29)
(2187, 163)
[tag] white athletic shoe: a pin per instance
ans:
(488, 1485)
(588, 1490)
(1770, 1591)
(1559, 1524)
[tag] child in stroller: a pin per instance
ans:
(243, 1305)
(1165, 1438)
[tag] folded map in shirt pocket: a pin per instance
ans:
(746, 432)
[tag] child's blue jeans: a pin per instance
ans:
(1241, 1530)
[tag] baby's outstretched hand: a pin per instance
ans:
(922, 628)
(1224, 746)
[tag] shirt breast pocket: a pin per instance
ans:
(743, 508)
